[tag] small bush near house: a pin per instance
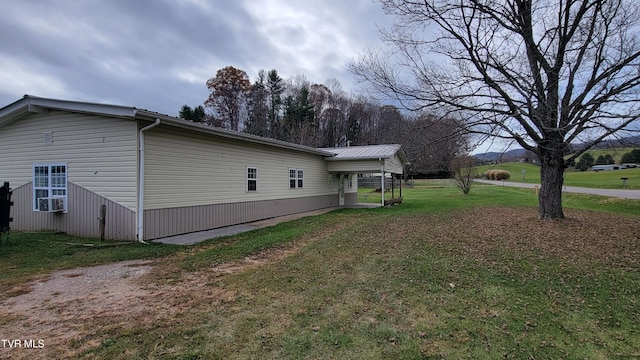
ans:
(496, 174)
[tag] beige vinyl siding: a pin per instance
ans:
(185, 168)
(100, 152)
(393, 165)
(360, 166)
(354, 184)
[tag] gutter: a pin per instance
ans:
(140, 209)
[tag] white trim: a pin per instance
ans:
(298, 175)
(49, 188)
(246, 189)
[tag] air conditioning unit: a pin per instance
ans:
(54, 204)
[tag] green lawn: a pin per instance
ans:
(441, 276)
(592, 179)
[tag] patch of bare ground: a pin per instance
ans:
(68, 308)
(67, 304)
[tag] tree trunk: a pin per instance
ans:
(551, 180)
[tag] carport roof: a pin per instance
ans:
(367, 152)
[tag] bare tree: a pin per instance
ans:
(227, 95)
(542, 73)
(464, 172)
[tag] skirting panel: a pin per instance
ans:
(350, 198)
(167, 222)
(81, 219)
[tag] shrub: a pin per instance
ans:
(581, 166)
(497, 174)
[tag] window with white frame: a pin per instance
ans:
(49, 180)
(252, 179)
(296, 178)
(292, 178)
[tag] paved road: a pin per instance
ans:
(622, 193)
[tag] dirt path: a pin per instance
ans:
(61, 315)
(62, 307)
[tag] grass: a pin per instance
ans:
(590, 179)
(441, 276)
(219, 251)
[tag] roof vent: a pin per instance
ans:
(48, 138)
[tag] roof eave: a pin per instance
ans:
(358, 158)
(37, 105)
(229, 134)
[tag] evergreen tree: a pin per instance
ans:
(632, 157)
(588, 159)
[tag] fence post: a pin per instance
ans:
(102, 219)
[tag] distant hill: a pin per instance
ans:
(509, 156)
(629, 141)
(525, 155)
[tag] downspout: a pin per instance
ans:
(382, 177)
(141, 180)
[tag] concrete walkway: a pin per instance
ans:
(200, 236)
(621, 193)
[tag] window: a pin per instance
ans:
(296, 177)
(292, 178)
(300, 178)
(49, 181)
(252, 179)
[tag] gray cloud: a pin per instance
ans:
(159, 54)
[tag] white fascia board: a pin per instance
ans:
(83, 107)
(36, 105)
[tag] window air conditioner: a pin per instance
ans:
(55, 204)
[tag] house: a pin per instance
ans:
(158, 175)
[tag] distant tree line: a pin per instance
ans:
(587, 160)
(320, 115)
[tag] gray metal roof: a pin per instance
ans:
(367, 152)
(32, 104)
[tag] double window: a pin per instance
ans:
(252, 179)
(296, 178)
(49, 181)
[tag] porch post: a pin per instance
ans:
(382, 182)
(393, 186)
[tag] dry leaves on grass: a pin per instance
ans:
(584, 236)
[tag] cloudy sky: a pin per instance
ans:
(158, 54)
